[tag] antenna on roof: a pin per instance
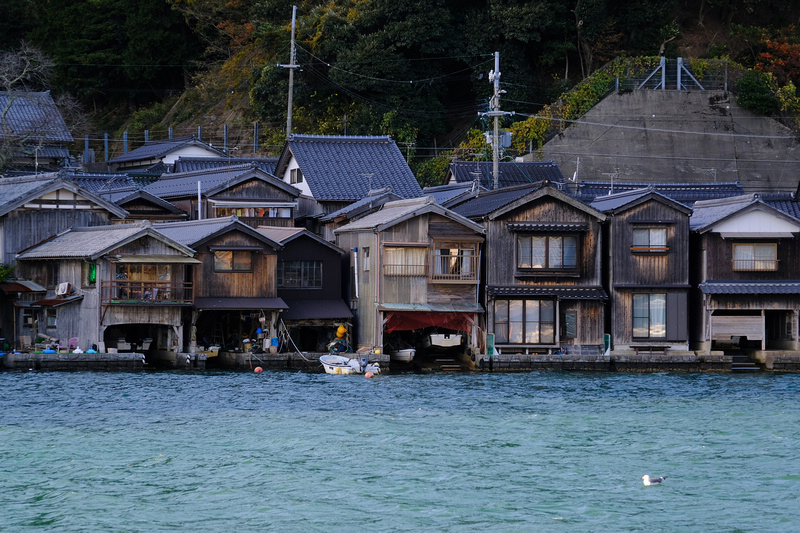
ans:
(577, 167)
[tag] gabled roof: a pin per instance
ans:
(105, 182)
(345, 168)
(193, 233)
(32, 115)
(16, 192)
(496, 203)
(393, 213)
(160, 149)
(685, 193)
(212, 181)
(707, 214)
(127, 195)
(510, 173)
(622, 201)
(373, 200)
(286, 235)
(193, 164)
(93, 242)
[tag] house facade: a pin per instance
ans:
(118, 287)
(414, 267)
(646, 271)
(542, 270)
(747, 275)
(235, 283)
(310, 281)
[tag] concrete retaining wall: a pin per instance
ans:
(73, 361)
(608, 363)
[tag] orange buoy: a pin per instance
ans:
(369, 375)
(258, 370)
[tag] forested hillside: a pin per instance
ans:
(410, 68)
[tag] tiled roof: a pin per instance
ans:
(32, 115)
(621, 200)
(185, 183)
(709, 211)
(90, 242)
(346, 168)
(547, 226)
(751, 287)
(490, 201)
(564, 292)
(510, 172)
(685, 193)
(193, 164)
(100, 183)
(785, 202)
(159, 149)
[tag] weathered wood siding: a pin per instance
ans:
(22, 228)
(671, 267)
(719, 260)
(501, 245)
(259, 282)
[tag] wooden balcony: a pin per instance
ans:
(455, 268)
(146, 293)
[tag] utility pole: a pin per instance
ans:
(291, 66)
(494, 105)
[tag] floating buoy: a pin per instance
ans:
(258, 370)
(369, 375)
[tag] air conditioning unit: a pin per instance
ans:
(63, 289)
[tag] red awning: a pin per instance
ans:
(409, 320)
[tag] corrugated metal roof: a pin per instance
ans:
(394, 212)
(316, 310)
(33, 116)
(751, 287)
(345, 168)
(563, 292)
(186, 183)
(21, 285)
(57, 302)
(374, 199)
(490, 201)
(191, 232)
(511, 173)
(455, 307)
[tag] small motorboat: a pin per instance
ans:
(339, 364)
(405, 355)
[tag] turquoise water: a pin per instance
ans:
(281, 451)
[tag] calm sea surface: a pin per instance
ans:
(281, 451)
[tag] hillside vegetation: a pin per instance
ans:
(413, 69)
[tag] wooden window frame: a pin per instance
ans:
(309, 274)
(770, 265)
(549, 339)
(546, 268)
(233, 263)
(649, 248)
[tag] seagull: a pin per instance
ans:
(647, 480)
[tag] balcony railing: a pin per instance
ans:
(146, 293)
(755, 264)
(455, 268)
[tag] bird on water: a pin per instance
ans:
(647, 480)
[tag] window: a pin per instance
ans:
(404, 261)
(755, 256)
(649, 240)
(51, 318)
(650, 316)
(254, 212)
(300, 274)
(28, 316)
(52, 274)
(455, 262)
(233, 261)
(89, 275)
(547, 252)
(524, 321)
(295, 176)
(366, 259)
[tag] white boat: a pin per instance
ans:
(339, 364)
(405, 355)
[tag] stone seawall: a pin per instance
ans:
(73, 361)
(609, 363)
